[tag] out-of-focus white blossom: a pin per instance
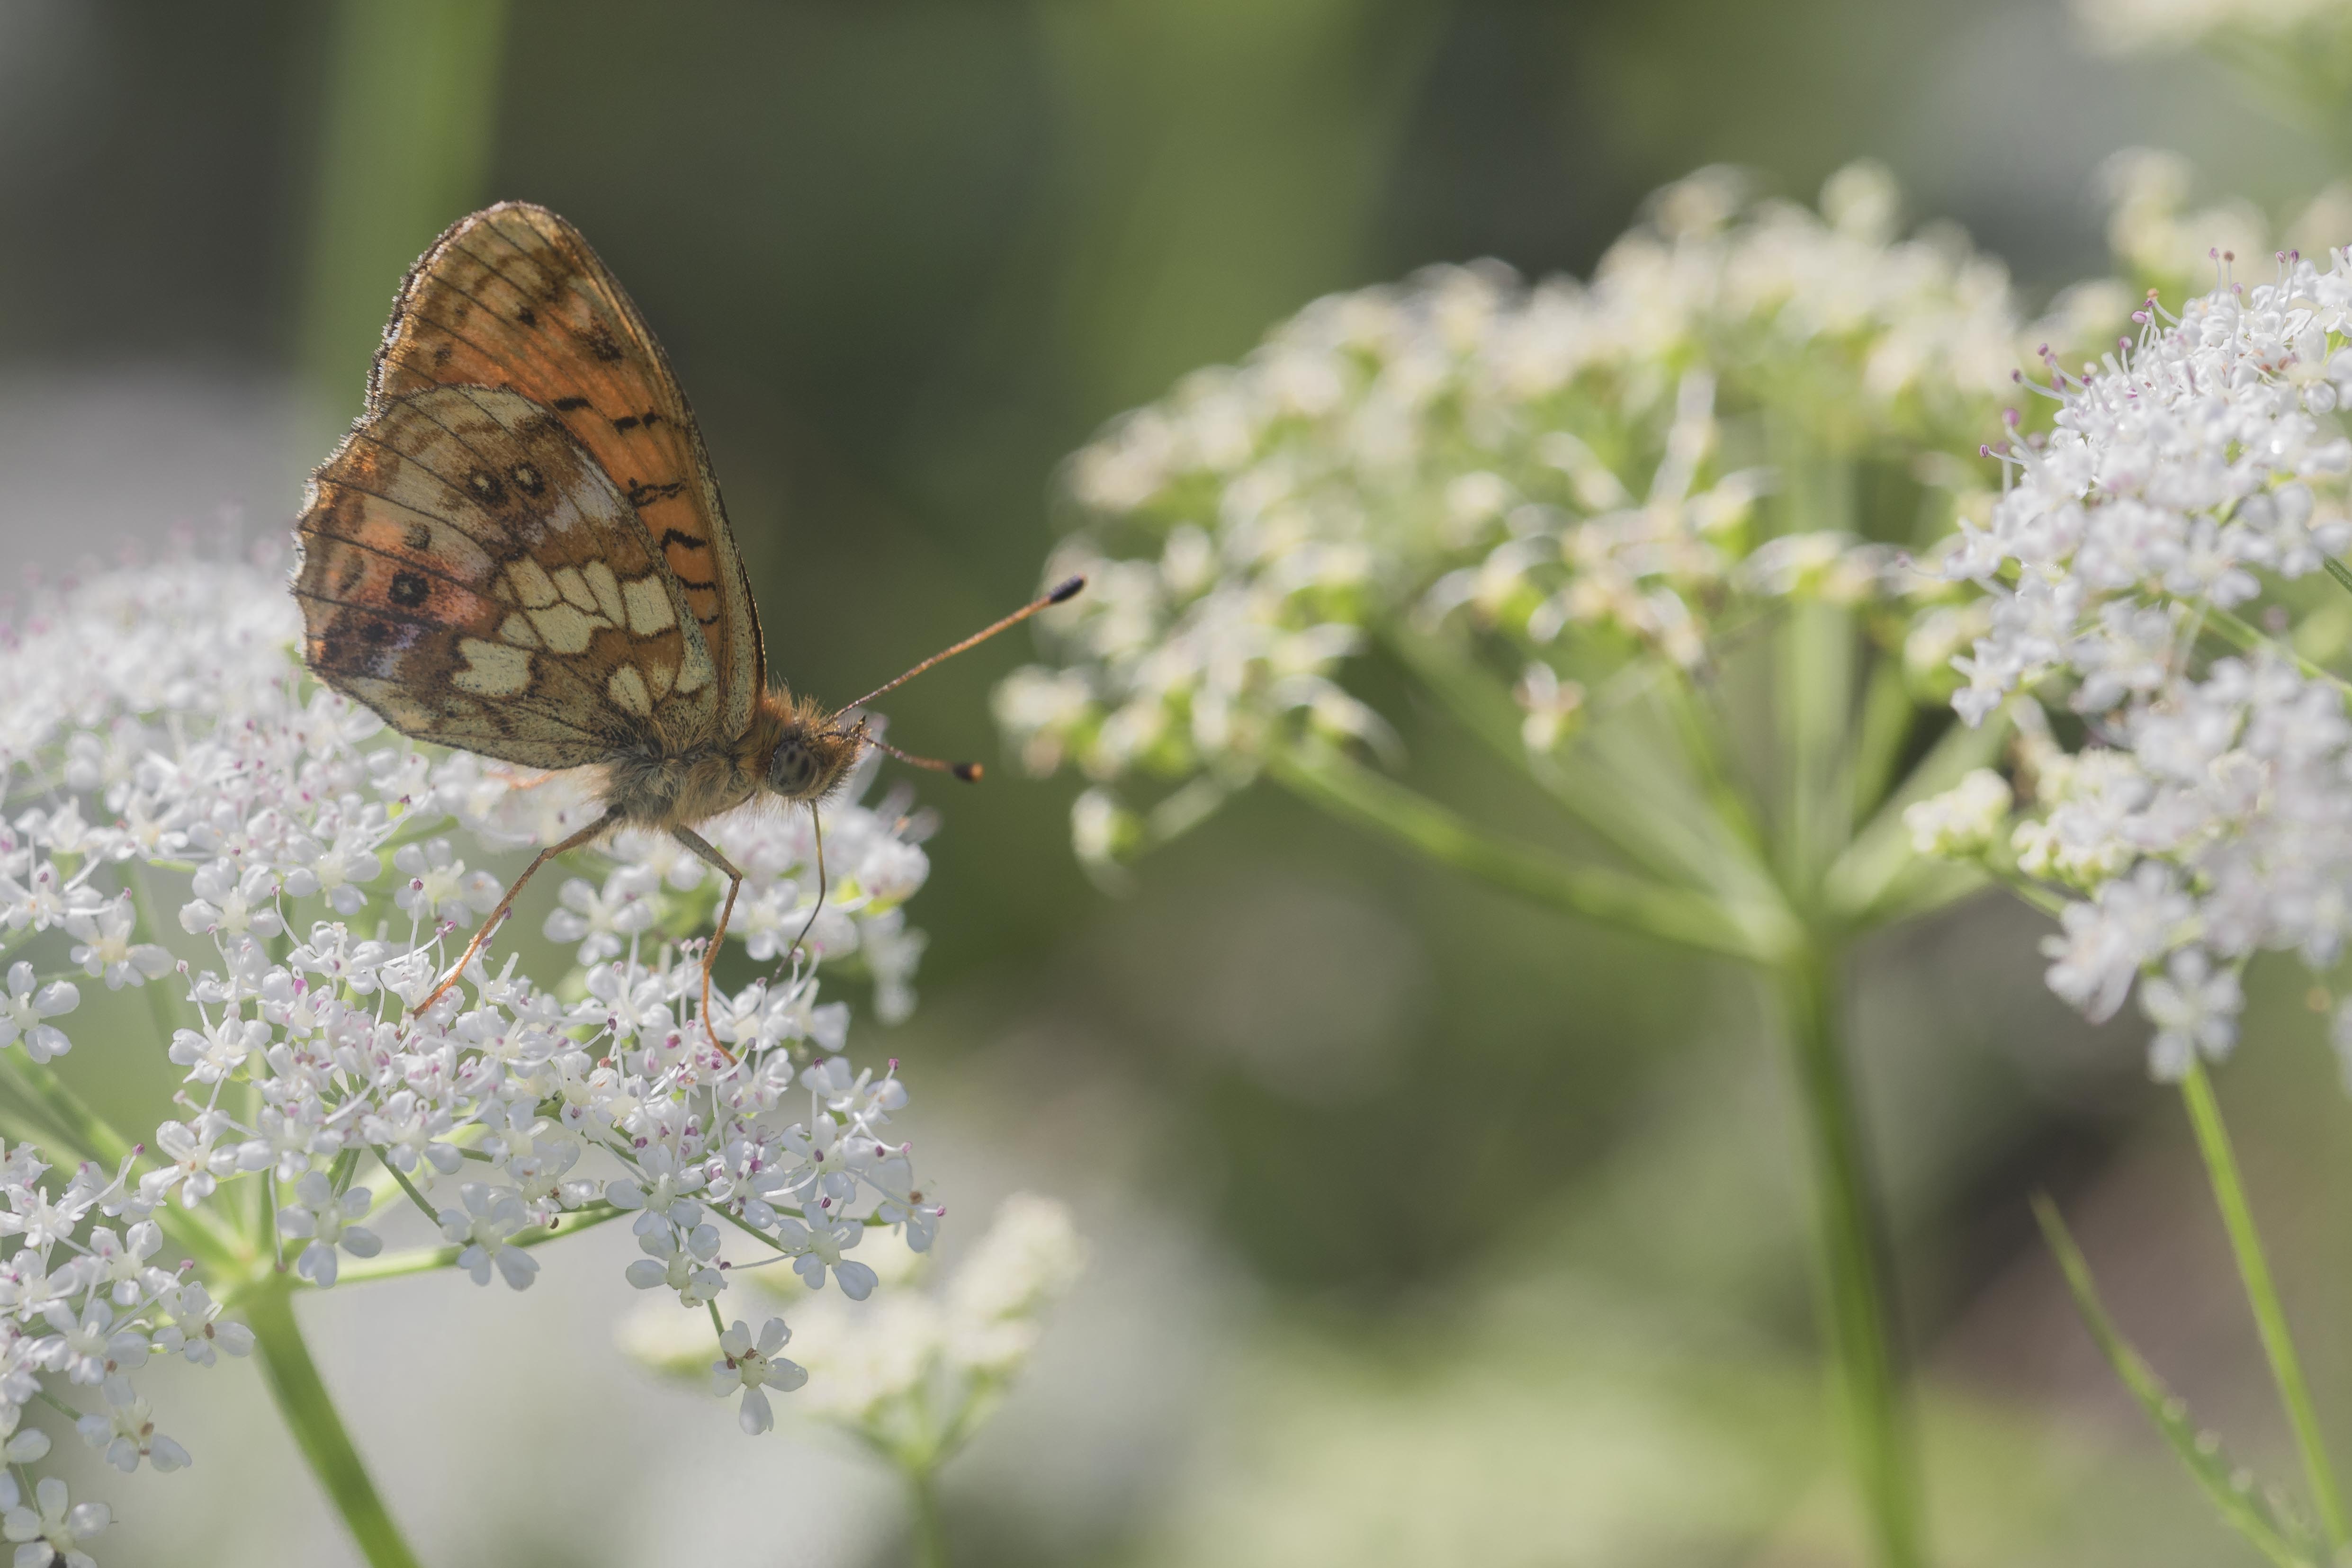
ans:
(1964, 819)
(2158, 236)
(2128, 25)
(163, 752)
(1560, 478)
(2143, 569)
(912, 1372)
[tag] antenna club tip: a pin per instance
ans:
(1066, 591)
(969, 772)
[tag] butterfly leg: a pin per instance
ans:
(595, 829)
(816, 828)
(708, 852)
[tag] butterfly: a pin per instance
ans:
(520, 551)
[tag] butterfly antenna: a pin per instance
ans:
(1062, 593)
(817, 828)
(967, 771)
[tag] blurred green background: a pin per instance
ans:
(1429, 1228)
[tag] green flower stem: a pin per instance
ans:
(424, 1260)
(1878, 878)
(91, 1136)
(1356, 794)
(1675, 843)
(930, 1543)
(2243, 634)
(2273, 1532)
(309, 1413)
(1850, 1261)
(1814, 685)
(1888, 716)
(2262, 1295)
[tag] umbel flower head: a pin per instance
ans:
(2162, 631)
(1580, 476)
(164, 760)
(913, 1373)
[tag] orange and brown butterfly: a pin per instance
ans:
(520, 551)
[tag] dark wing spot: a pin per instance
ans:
(526, 315)
(649, 419)
(599, 338)
(695, 584)
(680, 536)
(376, 631)
(441, 352)
(566, 404)
(355, 568)
(410, 589)
(526, 479)
(486, 486)
(707, 620)
(641, 494)
(627, 421)
(417, 537)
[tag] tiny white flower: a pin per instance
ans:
(104, 948)
(53, 1531)
(325, 1220)
(125, 1432)
(483, 1231)
(26, 1006)
(755, 1367)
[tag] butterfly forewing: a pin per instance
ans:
(474, 575)
(513, 296)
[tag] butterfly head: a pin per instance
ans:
(813, 752)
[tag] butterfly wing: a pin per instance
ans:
(513, 296)
(471, 573)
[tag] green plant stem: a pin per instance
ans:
(930, 1540)
(310, 1414)
(2262, 1295)
(2272, 1530)
(1855, 1300)
(1356, 794)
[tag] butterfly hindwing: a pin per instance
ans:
(512, 297)
(471, 573)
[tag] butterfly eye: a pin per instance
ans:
(526, 479)
(790, 767)
(486, 486)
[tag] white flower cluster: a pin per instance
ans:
(2206, 814)
(1575, 468)
(160, 748)
(912, 1372)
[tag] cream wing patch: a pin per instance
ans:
(491, 669)
(648, 606)
(627, 689)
